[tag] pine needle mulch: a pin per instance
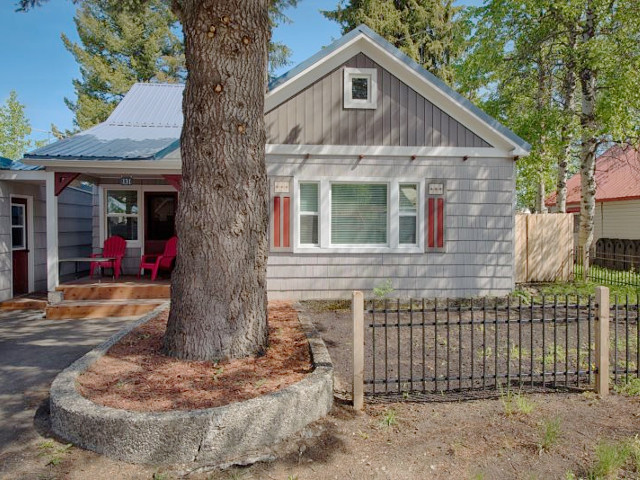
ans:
(135, 375)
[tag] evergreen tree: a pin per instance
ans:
(429, 31)
(14, 129)
(118, 48)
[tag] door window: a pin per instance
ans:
(18, 227)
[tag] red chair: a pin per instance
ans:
(160, 262)
(114, 247)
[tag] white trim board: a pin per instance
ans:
(430, 91)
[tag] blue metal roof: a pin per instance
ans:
(8, 164)
(147, 123)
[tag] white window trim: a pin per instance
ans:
(23, 246)
(300, 213)
(410, 214)
(141, 189)
(370, 74)
(324, 218)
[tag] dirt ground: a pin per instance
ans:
(477, 439)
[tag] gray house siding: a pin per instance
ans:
(478, 257)
(74, 235)
(316, 116)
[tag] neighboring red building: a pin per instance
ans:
(617, 194)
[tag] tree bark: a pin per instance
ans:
(218, 292)
(589, 145)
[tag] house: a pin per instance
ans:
(378, 171)
(23, 228)
(617, 214)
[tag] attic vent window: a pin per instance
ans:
(360, 88)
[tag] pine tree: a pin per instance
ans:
(14, 129)
(118, 48)
(429, 31)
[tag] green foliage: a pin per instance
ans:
(54, 452)
(429, 31)
(117, 48)
(549, 434)
(14, 129)
(630, 387)
(383, 289)
(389, 418)
(279, 53)
(513, 403)
(616, 460)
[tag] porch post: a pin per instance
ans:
(52, 236)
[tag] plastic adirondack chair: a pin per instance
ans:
(114, 247)
(160, 262)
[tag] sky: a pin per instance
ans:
(39, 68)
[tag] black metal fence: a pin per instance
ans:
(609, 267)
(426, 349)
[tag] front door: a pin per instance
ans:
(19, 246)
(160, 214)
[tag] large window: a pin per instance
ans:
(359, 214)
(408, 214)
(309, 208)
(122, 213)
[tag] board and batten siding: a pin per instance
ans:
(74, 231)
(479, 232)
(315, 116)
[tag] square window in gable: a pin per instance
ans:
(360, 88)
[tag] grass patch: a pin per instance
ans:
(549, 434)
(584, 289)
(615, 460)
(630, 388)
(319, 306)
(389, 418)
(513, 403)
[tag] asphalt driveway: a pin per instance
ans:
(32, 352)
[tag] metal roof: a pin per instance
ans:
(617, 177)
(8, 164)
(145, 125)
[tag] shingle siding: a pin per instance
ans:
(478, 258)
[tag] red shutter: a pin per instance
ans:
(431, 220)
(286, 223)
(276, 221)
(440, 222)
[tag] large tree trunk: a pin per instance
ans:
(218, 294)
(589, 146)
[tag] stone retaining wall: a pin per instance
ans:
(221, 435)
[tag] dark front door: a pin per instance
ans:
(160, 214)
(19, 246)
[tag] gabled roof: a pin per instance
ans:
(147, 123)
(617, 177)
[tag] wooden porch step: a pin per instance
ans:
(23, 304)
(115, 291)
(100, 308)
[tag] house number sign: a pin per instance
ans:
(436, 189)
(126, 180)
(282, 187)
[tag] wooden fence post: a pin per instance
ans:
(602, 341)
(357, 312)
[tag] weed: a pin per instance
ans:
(610, 457)
(631, 387)
(523, 294)
(389, 418)
(383, 289)
(55, 454)
(363, 435)
(160, 476)
(515, 402)
(525, 406)
(236, 475)
(550, 432)
(292, 477)
(217, 373)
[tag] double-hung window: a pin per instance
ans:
(408, 214)
(122, 214)
(309, 212)
(359, 214)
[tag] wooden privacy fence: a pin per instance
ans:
(430, 349)
(544, 247)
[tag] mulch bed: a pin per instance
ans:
(135, 375)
